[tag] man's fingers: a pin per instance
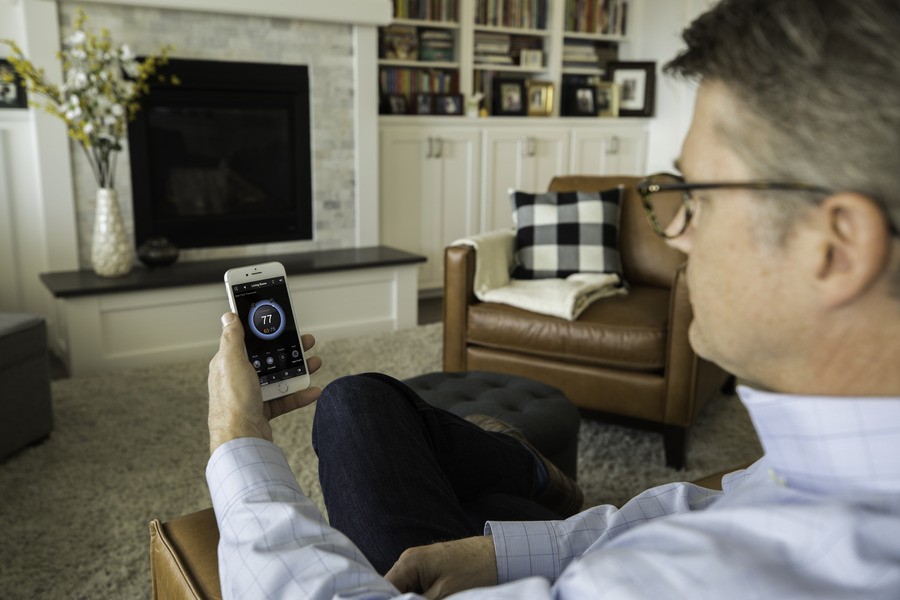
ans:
(286, 404)
(308, 340)
(404, 575)
(314, 363)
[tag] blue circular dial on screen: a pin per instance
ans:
(266, 320)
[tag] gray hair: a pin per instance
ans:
(820, 82)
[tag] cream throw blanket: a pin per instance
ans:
(564, 298)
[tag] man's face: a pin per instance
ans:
(740, 286)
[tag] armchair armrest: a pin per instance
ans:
(471, 266)
(680, 357)
(459, 278)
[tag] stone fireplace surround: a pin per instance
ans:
(328, 50)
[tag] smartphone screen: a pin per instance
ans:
(271, 338)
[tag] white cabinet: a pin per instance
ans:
(520, 157)
(618, 150)
(429, 190)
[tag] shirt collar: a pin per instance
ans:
(828, 443)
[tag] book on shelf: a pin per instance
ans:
(407, 82)
(516, 14)
(399, 42)
(435, 45)
(606, 17)
(426, 10)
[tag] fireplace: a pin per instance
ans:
(223, 157)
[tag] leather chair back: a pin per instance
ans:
(646, 258)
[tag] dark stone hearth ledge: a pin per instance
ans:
(69, 284)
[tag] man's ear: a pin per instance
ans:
(855, 246)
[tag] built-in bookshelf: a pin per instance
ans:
(464, 47)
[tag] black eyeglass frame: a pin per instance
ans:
(647, 187)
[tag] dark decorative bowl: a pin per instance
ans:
(157, 252)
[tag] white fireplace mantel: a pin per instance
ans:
(352, 12)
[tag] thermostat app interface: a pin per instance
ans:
(273, 344)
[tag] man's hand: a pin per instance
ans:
(236, 407)
(438, 570)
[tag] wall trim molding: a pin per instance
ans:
(353, 12)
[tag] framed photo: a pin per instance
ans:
(637, 87)
(531, 59)
(607, 99)
(12, 93)
(582, 101)
(394, 104)
(509, 97)
(448, 104)
(424, 103)
(540, 98)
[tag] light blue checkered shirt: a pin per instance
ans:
(817, 517)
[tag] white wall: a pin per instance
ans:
(661, 23)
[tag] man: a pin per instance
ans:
(790, 223)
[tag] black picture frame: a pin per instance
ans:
(579, 100)
(637, 87)
(394, 104)
(509, 98)
(424, 103)
(12, 94)
(448, 104)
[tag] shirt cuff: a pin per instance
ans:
(230, 479)
(524, 549)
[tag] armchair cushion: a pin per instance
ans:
(621, 332)
(563, 233)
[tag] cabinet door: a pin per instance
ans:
(457, 154)
(428, 196)
(405, 170)
(523, 159)
(609, 151)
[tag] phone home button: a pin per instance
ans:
(283, 387)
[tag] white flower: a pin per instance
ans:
(79, 54)
(73, 100)
(79, 37)
(117, 110)
(88, 128)
(126, 53)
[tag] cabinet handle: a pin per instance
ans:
(430, 152)
(528, 146)
(613, 146)
(440, 147)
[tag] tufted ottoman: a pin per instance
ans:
(549, 421)
(25, 412)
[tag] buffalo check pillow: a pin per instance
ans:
(562, 233)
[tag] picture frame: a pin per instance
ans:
(531, 59)
(394, 104)
(582, 101)
(607, 99)
(12, 94)
(637, 87)
(509, 97)
(448, 104)
(424, 103)
(540, 98)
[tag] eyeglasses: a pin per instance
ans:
(670, 204)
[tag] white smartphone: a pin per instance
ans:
(259, 295)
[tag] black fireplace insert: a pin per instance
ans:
(223, 158)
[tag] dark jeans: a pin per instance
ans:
(397, 472)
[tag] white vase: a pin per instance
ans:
(111, 254)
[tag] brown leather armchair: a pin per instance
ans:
(625, 355)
